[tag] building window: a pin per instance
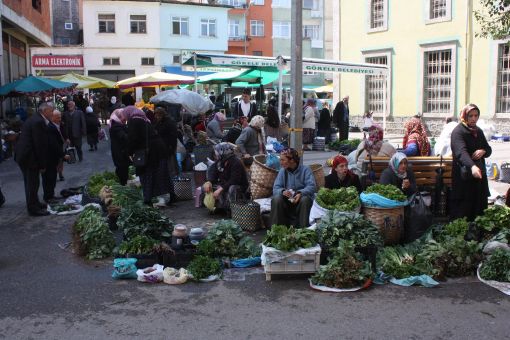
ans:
(176, 59)
(438, 91)
(180, 26)
(503, 87)
(65, 41)
(233, 28)
(281, 3)
(378, 10)
(257, 53)
(438, 10)
(208, 27)
(36, 4)
(111, 61)
(311, 4)
(257, 28)
(235, 3)
(257, 2)
(68, 25)
(311, 32)
(106, 23)
(374, 87)
(138, 23)
(147, 61)
(281, 29)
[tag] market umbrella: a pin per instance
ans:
(35, 86)
(156, 78)
(191, 101)
(85, 82)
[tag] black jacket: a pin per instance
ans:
(333, 182)
(137, 132)
(32, 146)
(339, 114)
(324, 120)
(238, 112)
(55, 145)
(119, 144)
(92, 123)
(167, 131)
(389, 177)
(233, 173)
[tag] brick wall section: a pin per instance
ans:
(66, 11)
(24, 8)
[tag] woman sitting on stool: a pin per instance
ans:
(399, 174)
(341, 176)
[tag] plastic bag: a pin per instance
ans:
(173, 276)
(273, 161)
(418, 218)
(152, 274)
(376, 200)
(124, 268)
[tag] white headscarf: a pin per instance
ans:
(113, 100)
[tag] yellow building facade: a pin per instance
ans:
(437, 65)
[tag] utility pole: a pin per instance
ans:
(296, 76)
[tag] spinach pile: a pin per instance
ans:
(497, 267)
(338, 144)
(94, 233)
(139, 219)
(387, 190)
(137, 245)
(289, 239)
(494, 219)
(227, 239)
(343, 199)
(345, 269)
(202, 267)
(456, 228)
(336, 226)
(99, 180)
(403, 261)
(124, 196)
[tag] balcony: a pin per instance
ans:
(237, 41)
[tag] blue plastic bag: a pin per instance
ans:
(376, 200)
(278, 147)
(124, 268)
(245, 263)
(423, 280)
(273, 161)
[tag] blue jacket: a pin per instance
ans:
(301, 180)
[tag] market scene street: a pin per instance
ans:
(254, 169)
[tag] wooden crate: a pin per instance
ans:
(294, 264)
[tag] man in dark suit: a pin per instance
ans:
(76, 127)
(32, 156)
(341, 118)
(245, 107)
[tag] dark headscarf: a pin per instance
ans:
(291, 153)
(272, 117)
(464, 117)
(131, 112)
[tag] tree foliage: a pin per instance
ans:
(494, 19)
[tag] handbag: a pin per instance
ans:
(246, 214)
(418, 218)
(140, 157)
(71, 152)
(182, 188)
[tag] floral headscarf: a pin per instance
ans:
(291, 153)
(201, 138)
(374, 141)
(131, 112)
(415, 132)
(395, 162)
(464, 116)
(257, 122)
(117, 116)
(224, 151)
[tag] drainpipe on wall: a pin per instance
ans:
(468, 52)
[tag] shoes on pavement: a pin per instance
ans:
(43, 205)
(38, 213)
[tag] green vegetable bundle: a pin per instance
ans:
(227, 239)
(137, 245)
(403, 261)
(99, 180)
(140, 219)
(343, 199)
(124, 196)
(456, 228)
(94, 233)
(494, 219)
(352, 143)
(336, 226)
(289, 239)
(387, 190)
(497, 267)
(202, 267)
(345, 269)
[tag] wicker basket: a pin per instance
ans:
(318, 174)
(389, 221)
(262, 178)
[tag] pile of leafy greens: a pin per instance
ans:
(94, 233)
(137, 245)
(497, 266)
(343, 199)
(336, 226)
(202, 267)
(227, 239)
(403, 261)
(140, 219)
(98, 181)
(345, 269)
(290, 239)
(494, 219)
(124, 195)
(387, 190)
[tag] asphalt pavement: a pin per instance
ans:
(47, 292)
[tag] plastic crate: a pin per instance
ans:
(294, 264)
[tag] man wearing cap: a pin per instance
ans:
(293, 191)
(245, 107)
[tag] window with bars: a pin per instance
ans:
(176, 59)
(147, 61)
(437, 82)
(138, 23)
(438, 9)
(257, 28)
(106, 23)
(208, 27)
(311, 32)
(375, 86)
(377, 14)
(180, 26)
(503, 87)
(281, 29)
(111, 61)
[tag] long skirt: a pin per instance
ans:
(155, 180)
(308, 135)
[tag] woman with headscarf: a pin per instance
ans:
(251, 140)
(93, 125)
(215, 126)
(118, 143)
(372, 145)
(399, 174)
(227, 176)
(272, 125)
(324, 126)
(154, 175)
(470, 187)
(341, 176)
(308, 124)
(416, 142)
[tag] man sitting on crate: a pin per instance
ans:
(293, 191)
(227, 179)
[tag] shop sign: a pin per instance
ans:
(52, 61)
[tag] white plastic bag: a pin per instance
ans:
(152, 274)
(173, 276)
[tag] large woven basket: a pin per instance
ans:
(389, 221)
(318, 174)
(262, 178)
